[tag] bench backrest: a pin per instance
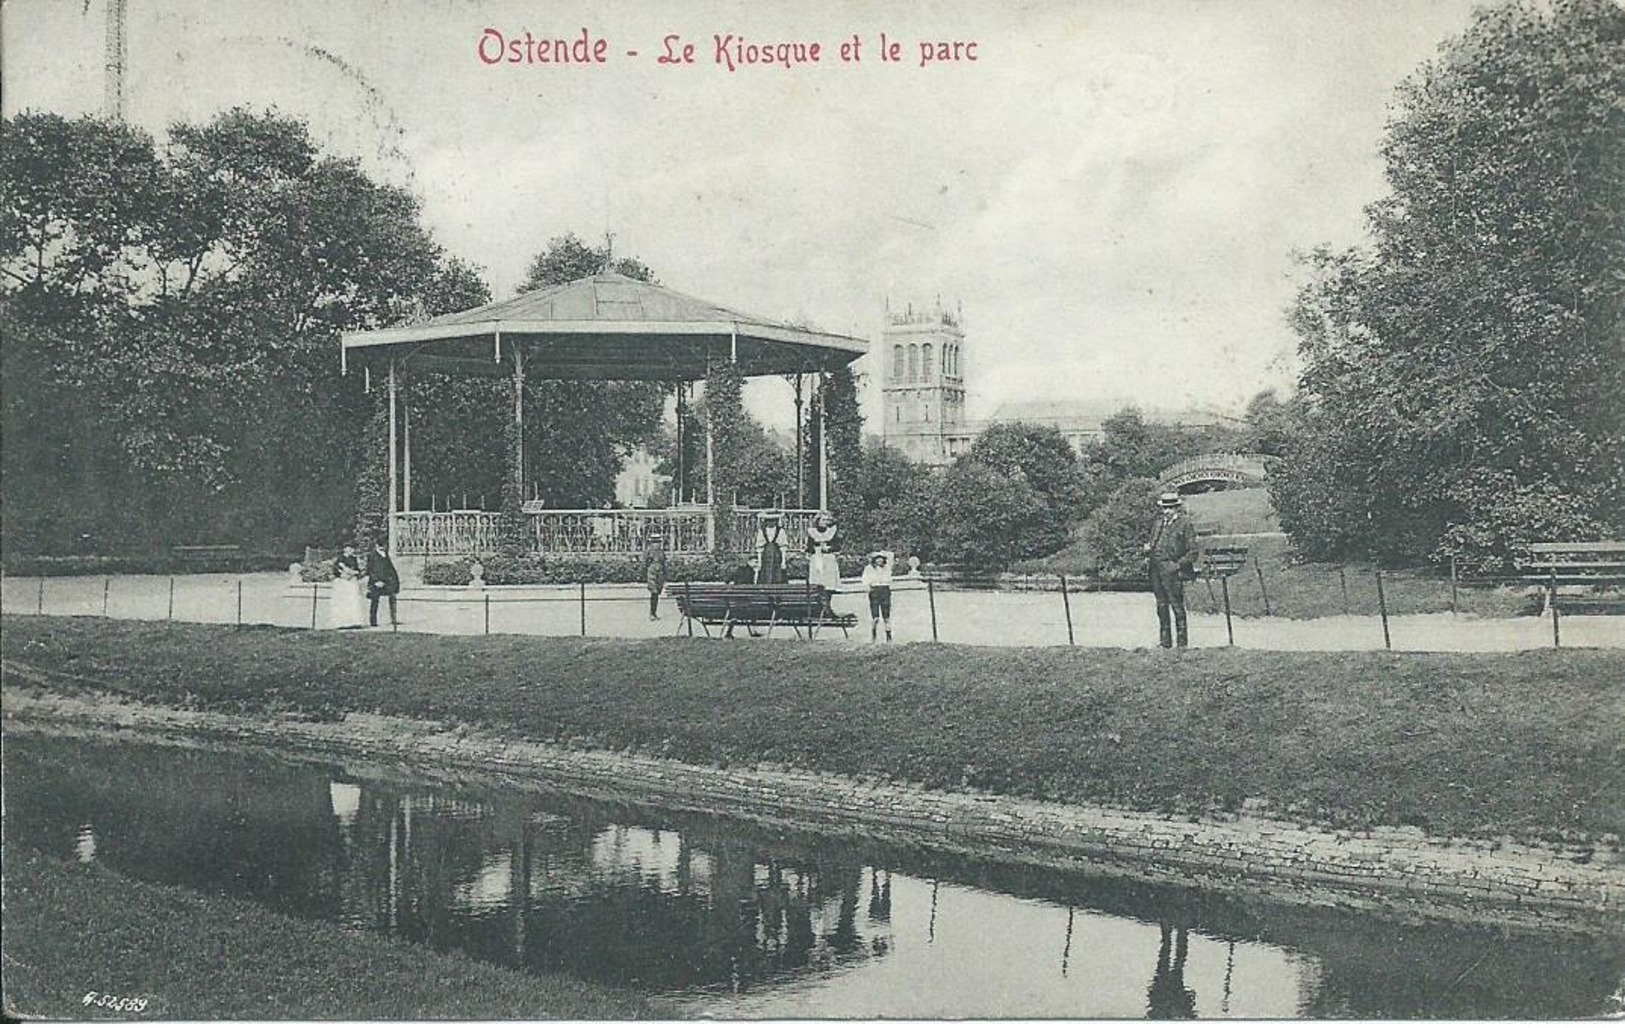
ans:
(718, 599)
(1576, 561)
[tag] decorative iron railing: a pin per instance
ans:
(684, 530)
(447, 533)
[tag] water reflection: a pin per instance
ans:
(735, 922)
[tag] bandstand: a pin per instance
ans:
(607, 327)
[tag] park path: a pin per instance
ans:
(1125, 620)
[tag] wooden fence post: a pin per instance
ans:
(1229, 629)
(1261, 587)
(1066, 602)
(1551, 601)
(1382, 607)
(931, 596)
(583, 608)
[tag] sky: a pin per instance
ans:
(1111, 192)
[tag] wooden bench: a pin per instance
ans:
(227, 553)
(795, 604)
(1575, 564)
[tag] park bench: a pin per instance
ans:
(797, 605)
(1592, 564)
(206, 555)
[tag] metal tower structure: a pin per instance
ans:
(118, 56)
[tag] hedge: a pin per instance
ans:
(548, 569)
(61, 567)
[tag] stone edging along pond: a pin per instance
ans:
(1394, 871)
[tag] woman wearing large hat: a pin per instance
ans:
(822, 542)
(770, 549)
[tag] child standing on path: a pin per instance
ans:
(877, 579)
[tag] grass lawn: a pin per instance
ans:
(1306, 590)
(74, 930)
(1529, 744)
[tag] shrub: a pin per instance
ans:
(562, 569)
(317, 571)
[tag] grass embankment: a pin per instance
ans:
(72, 930)
(1306, 590)
(1529, 744)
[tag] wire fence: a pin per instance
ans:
(1353, 609)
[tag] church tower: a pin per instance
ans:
(923, 390)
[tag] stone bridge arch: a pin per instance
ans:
(1211, 471)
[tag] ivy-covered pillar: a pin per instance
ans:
(724, 412)
(512, 521)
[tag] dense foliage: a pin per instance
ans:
(170, 318)
(1464, 382)
(576, 433)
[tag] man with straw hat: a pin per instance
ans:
(1172, 552)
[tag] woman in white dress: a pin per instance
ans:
(347, 607)
(822, 567)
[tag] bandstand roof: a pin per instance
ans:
(607, 326)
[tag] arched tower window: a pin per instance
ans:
(925, 362)
(913, 362)
(897, 364)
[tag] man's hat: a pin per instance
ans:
(769, 515)
(1169, 500)
(878, 555)
(652, 533)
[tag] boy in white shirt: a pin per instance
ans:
(877, 578)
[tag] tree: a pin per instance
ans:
(1117, 530)
(893, 506)
(987, 519)
(175, 314)
(1463, 374)
(566, 258)
(577, 434)
(843, 422)
(1269, 424)
(1015, 494)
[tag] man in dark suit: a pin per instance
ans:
(1172, 551)
(382, 580)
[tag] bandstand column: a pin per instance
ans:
(406, 450)
(710, 475)
(801, 451)
(823, 450)
(516, 453)
(394, 472)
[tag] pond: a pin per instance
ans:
(723, 919)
